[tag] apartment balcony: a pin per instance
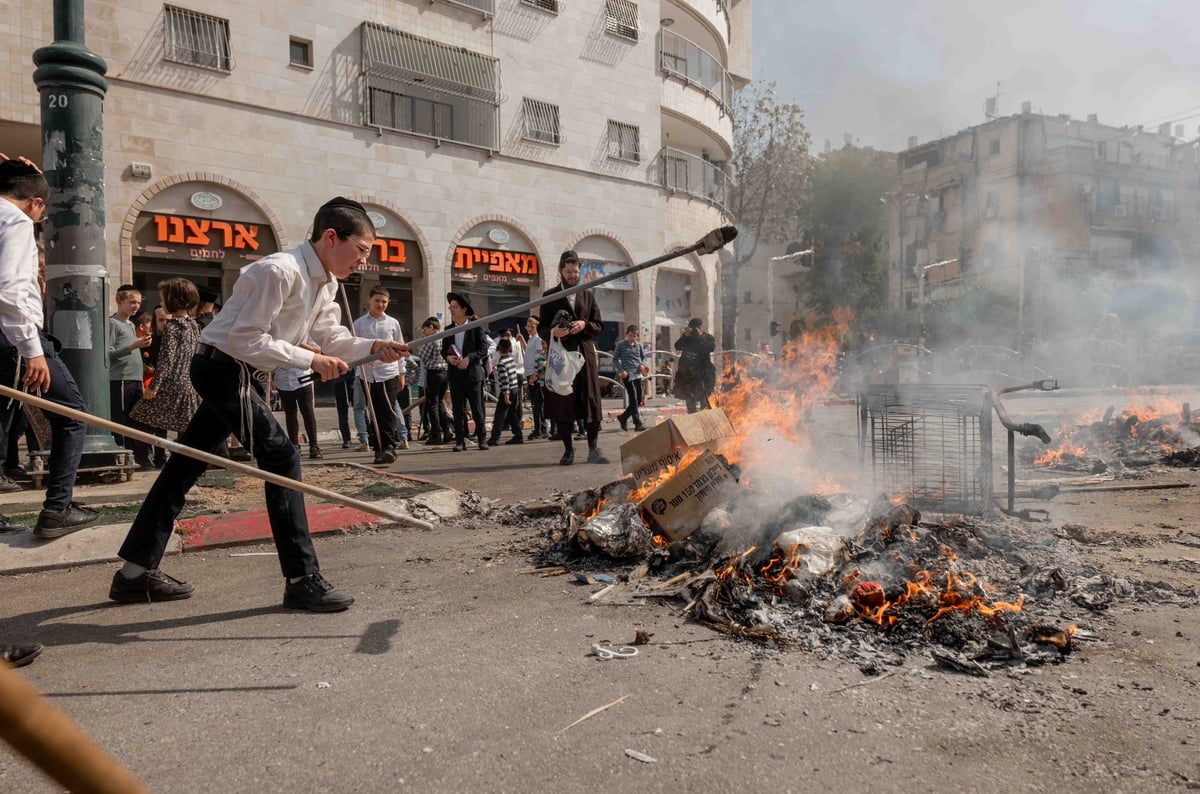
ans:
(711, 14)
(683, 60)
(680, 172)
(1133, 216)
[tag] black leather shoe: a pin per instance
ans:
(19, 655)
(315, 454)
(482, 445)
(433, 441)
(153, 585)
(535, 436)
(316, 595)
(385, 458)
(596, 456)
(568, 458)
(460, 447)
(515, 440)
(624, 424)
(639, 428)
(75, 517)
(494, 442)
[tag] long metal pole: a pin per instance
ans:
(212, 460)
(710, 243)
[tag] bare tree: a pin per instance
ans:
(772, 168)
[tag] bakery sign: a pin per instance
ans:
(497, 267)
(393, 257)
(201, 240)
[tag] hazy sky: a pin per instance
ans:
(886, 69)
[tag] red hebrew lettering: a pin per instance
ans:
(512, 262)
(226, 229)
(529, 264)
(397, 251)
(245, 236)
(174, 234)
(381, 244)
(462, 258)
(197, 231)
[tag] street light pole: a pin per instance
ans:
(70, 80)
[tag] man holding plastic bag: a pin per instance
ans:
(568, 326)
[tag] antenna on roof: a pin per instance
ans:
(991, 106)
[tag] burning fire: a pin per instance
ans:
(773, 399)
(1057, 457)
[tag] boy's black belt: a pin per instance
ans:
(212, 354)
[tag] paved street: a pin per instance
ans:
(457, 670)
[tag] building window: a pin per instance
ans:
(1101, 150)
(426, 87)
(540, 121)
(196, 39)
(992, 208)
(300, 52)
(747, 297)
(411, 114)
(621, 19)
(553, 6)
(623, 142)
(994, 148)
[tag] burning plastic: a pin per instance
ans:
(616, 531)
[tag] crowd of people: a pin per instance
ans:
(210, 373)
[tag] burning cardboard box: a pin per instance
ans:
(664, 445)
(678, 504)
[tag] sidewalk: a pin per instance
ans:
(21, 552)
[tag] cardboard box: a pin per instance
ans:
(678, 505)
(664, 445)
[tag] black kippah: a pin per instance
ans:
(342, 201)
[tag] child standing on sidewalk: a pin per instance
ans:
(508, 395)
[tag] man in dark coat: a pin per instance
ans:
(575, 322)
(465, 353)
(697, 377)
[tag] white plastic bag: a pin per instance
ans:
(561, 368)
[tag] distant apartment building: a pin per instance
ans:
(484, 137)
(1021, 198)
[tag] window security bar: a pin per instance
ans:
(196, 39)
(541, 122)
(485, 7)
(621, 19)
(624, 142)
(396, 55)
(553, 6)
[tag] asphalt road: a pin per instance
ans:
(457, 670)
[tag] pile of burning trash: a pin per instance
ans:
(709, 518)
(972, 594)
(1137, 437)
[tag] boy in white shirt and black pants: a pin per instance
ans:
(278, 302)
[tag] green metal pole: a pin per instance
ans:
(70, 79)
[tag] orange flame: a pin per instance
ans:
(1060, 456)
(775, 398)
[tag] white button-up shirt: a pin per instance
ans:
(386, 327)
(21, 313)
(279, 302)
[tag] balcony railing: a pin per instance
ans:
(485, 7)
(681, 58)
(681, 172)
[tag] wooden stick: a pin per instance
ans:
(1162, 486)
(593, 713)
(55, 744)
(211, 459)
(864, 683)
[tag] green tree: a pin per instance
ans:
(847, 225)
(772, 167)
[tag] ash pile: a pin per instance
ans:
(866, 581)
